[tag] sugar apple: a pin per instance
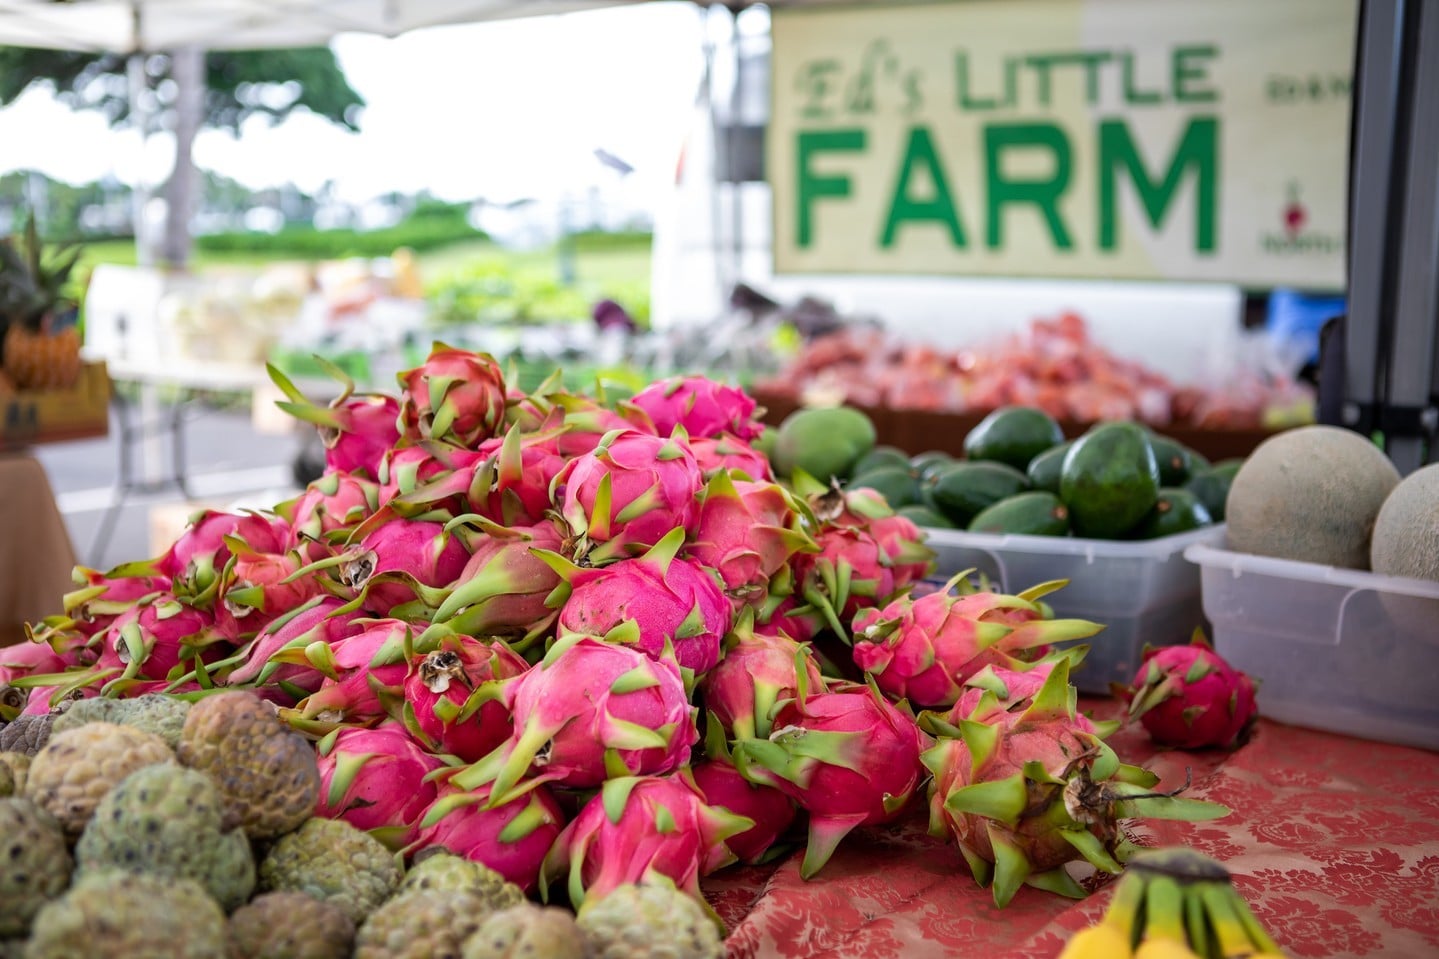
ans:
(332, 860)
(37, 863)
(442, 870)
(656, 921)
(120, 915)
(526, 931)
(290, 925)
(78, 767)
(154, 712)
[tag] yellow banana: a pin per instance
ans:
(1239, 933)
(1164, 935)
(1113, 936)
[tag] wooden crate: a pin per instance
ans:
(30, 417)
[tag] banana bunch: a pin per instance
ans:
(1174, 904)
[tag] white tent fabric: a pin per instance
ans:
(127, 26)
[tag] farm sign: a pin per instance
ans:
(1121, 139)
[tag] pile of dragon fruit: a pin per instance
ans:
(594, 642)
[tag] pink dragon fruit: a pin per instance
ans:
(636, 829)
(726, 453)
(670, 606)
(356, 428)
(623, 497)
(406, 470)
(703, 407)
(722, 786)
(194, 562)
(1026, 787)
(585, 423)
(757, 674)
(376, 780)
(785, 615)
(99, 597)
(505, 587)
(1190, 698)
(589, 711)
(924, 649)
(505, 480)
(331, 505)
(511, 838)
(395, 560)
(18, 662)
(323, 619)
(455, 396)
(257, 587)
(364, 676)
(747, 531)
(152, 639)
(848, 757)
(441, 696)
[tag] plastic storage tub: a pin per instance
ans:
(1342, 650)
(1145, 593)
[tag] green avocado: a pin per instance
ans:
(1043, 470)
(896, 484)
(1035, 513)
(1109, 480)
(1175, 511)
(963, 490)
(881, 456)
(1013, 435)
(825, 442)
(929, 461)
(1211, 486)
(922, 515)
(1174, 459)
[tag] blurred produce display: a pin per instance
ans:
(1055, 365)
(39, 345)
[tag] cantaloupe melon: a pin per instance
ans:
(1310, 494)
(1406, 533)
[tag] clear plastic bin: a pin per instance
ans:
(1144, 593)
(1342, 650)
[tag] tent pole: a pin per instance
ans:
(136, 85)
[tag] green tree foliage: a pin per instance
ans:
(240, 84)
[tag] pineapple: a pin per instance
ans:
(32, 295)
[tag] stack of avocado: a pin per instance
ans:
(1020, 475)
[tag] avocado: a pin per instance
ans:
(895, 483)
(1210, 485)
(922, 515)
(1109, 480)
(1043, 470)
(1173, 458)
(929, 461)
(825, 442)
(1175, 511)
(1035, 513)
(882, 456)
(962, 490)
(1013, 435)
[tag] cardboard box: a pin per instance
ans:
(30, 417)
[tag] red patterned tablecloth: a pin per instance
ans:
(1334, 842)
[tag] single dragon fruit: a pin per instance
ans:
(257, 587)
(441, 700)
(18, 662)
(924, 649)
(408, 469)
(511, 838)
(703, 407)
(393, 562)
(193, 563)
(847, 756)
(757, 673)
(505, 587)
(723, 786)
(99, 598)
(455, 396)
(1027, 785)
(747, 531)
(152, 639)
(638, 828)
(376, 780)
(726, 453)
(356, 428)
(587, 712)
(364, 676)
(324, 619)
(625, 495)
(1190, 698)
(585, 423)
(329, 508)
(671, 606)
(507, 480)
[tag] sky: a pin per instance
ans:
(505, 110)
